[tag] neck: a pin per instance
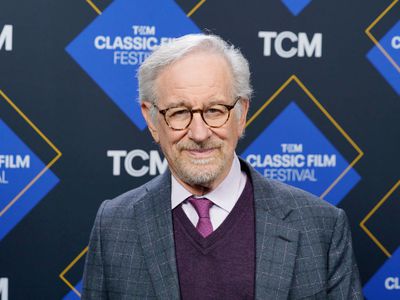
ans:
(197, 190)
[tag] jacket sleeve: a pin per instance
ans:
(94, 286)
(343, 276)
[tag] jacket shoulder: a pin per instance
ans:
(126, 203)
(293, 204)
(297, 198)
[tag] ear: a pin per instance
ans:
(146, 106)
(243, 117)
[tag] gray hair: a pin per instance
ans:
(168, 53)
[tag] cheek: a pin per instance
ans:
(233, 134)
(169, 140)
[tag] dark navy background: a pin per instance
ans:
(359, 90)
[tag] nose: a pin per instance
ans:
(198, 130)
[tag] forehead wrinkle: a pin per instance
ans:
(177, 103)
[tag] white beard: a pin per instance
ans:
(203, 171)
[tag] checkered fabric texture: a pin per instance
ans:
(303, 246)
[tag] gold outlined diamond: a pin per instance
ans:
(371, 213)
(62, 274)
(374, 40)
(47, 167)
(295, 79)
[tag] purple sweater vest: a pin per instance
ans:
(222, 265)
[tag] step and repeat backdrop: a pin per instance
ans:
(324, 117)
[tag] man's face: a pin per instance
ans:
(199, 155)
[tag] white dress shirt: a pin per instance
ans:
(224, 196)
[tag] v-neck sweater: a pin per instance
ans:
(222, 265)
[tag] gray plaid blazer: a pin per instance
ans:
(303, 246)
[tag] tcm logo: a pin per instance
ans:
(137, 163)
(293, 149)
(392, 283)
(292, 165)
(287, 44)
(3, 288)
(113, 46)
(131, 49)
(6, 38)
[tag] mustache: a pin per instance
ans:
(191, 145)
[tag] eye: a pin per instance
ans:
(178, 113)
(215, 111)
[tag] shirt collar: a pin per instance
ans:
(224, 196)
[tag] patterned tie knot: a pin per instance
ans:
(202, 206)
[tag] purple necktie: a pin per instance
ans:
(202, 206)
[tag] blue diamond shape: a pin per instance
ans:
(296, 6)
(385, 284)
(111, 48)
(389, 42)
(300, 167)
(18, 167)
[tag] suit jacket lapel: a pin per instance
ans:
(156, 235)
(276, 242)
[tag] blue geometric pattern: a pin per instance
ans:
(113, 46)
(391, 43)
(313, 164)
(296, 6)
(385, 284)
(19, 167)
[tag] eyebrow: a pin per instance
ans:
(180, 103)
(177, 103)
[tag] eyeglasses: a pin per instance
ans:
(179, 118)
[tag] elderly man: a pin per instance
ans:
(212, 227)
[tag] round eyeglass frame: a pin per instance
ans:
(200, 111)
